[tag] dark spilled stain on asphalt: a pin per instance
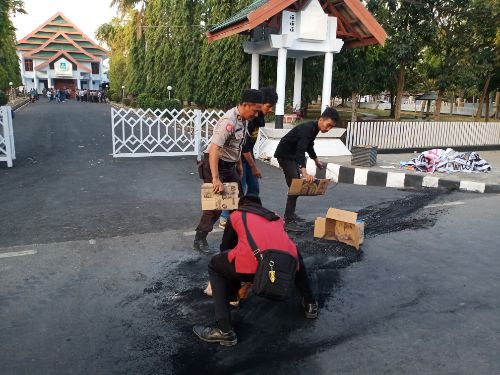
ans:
(270, 334)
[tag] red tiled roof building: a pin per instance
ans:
(59, 55)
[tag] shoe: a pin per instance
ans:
(310, 309)
(222, 223)
(200, 243)
(214, 334)
(298, 219)
(293, 226)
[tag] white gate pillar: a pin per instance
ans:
(255, 71)
(297, 84)
(280, 87)
(197, 134)
(327, 81)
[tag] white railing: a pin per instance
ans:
(401, 135)
(7, 148)
(142, 133)
(468, 110)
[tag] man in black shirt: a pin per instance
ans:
(291, 157)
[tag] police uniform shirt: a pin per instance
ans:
(229, 135)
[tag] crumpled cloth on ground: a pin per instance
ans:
(449, 160)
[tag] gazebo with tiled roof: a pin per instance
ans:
(300, 29)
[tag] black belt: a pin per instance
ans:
(222, 163)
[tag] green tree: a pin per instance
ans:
(116, 34)
(223, 69)
(9, 62)
(409, 27)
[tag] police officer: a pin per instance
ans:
(291, 158)
(222, 160)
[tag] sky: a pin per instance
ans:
(87, 15)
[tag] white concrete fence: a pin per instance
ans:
(403, 135)
(7, 148)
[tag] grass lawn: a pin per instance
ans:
(364, 114)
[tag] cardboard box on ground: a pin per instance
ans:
(342, 226)
(228, 200)
(299, 186)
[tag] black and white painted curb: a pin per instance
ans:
(398, 180)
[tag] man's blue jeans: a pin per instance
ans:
(249, 183)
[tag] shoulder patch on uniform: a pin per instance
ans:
(229, 127)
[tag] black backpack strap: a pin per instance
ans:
(251, 242)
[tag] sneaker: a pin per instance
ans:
(293, 226)
(222, 223)
(310, 309)
(214, 334)
(298, 219)
(200, 243)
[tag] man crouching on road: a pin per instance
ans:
(222, 160)
(238, 264)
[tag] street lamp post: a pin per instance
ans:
(123, 93)
(169, 88)
(11, 93)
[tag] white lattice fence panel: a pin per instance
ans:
(7, 151)
(402, 135)
(138, 132)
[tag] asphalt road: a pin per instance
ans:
(110, 283)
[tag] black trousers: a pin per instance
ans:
(227, 173)
(226, 282)
(291, 171)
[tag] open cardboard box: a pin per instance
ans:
(299, 186)
(342, 226)
(228, 200)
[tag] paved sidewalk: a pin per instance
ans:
(387, 172)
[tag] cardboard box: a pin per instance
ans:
(228, 200)
(299, 186)
(342, 226)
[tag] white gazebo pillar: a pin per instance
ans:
(50, 83)
(327, 81)
(255, 71)
(297, 84)
(280, 87)
(78, 83)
